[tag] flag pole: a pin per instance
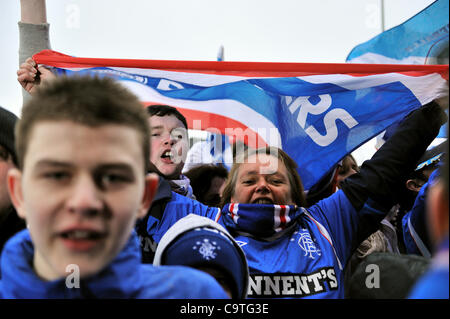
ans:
(221, 54)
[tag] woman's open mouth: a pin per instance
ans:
(264, 200)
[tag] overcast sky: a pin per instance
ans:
(250, 30)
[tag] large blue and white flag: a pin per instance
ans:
(419, 40)
(317, 112)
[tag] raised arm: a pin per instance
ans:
(379, 176)
(33, 28)
(33, 38)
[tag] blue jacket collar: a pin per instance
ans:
(120, 279)
(164, 190)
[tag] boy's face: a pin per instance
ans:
(169, 145)
(80, 191)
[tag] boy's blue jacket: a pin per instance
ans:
(125, 277)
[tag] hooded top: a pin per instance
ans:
(182, 244)
(414, 225)
(124, 277)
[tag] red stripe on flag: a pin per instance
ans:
(245, 69)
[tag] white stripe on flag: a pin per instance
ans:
(425, 88)
(229, 108)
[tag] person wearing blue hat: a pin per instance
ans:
(415, 232)
(201, 243)
(434, 284)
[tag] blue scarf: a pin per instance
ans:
(262, 221)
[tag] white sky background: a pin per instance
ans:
(321, 31)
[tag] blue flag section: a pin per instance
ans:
(340, 121)
(317, 113)
(420, 40)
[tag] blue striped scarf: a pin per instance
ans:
(260, 220)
